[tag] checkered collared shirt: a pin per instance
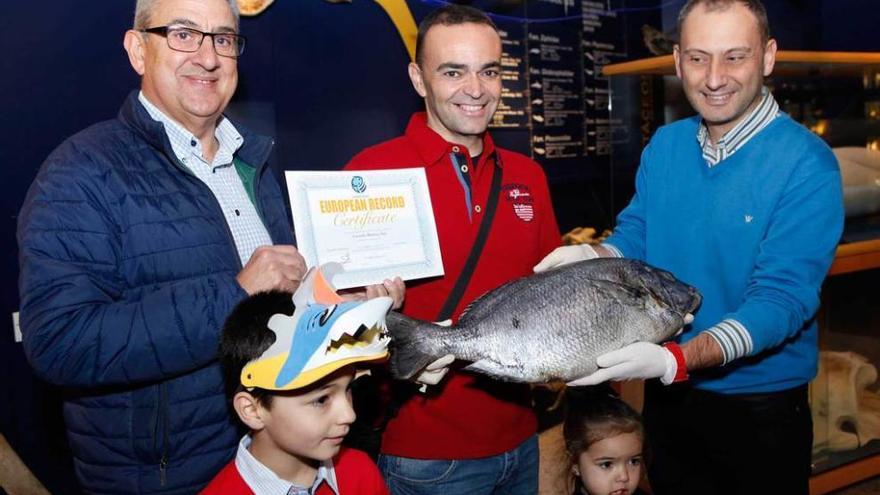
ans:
(737, 137)
(245, 224)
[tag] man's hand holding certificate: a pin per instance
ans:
(378, 224)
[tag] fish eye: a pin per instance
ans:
(326, 315)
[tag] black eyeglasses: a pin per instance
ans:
(185, 39)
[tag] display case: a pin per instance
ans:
(837, 96)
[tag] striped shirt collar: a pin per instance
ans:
(263, 481)
(736, 138)
(187, 147)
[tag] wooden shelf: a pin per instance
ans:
(788, 62)
(843, 476)
(850, 257)
(662, 65)
(855, 257)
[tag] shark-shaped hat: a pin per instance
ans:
(324, 334)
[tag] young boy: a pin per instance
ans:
(288, 377)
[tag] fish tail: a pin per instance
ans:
(411, 346)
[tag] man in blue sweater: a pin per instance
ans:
(746, 205)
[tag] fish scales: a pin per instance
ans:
(552, 325)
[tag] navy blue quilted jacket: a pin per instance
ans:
(127, 274)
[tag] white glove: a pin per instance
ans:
(434, 372)
(565, 255)
(638, 361)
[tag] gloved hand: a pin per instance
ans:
(641, 360)
(434, 372)
(688, 319)
(565, 255)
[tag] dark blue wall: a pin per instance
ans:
(849, 25)
(62, 69)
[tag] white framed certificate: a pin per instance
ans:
(378, 224)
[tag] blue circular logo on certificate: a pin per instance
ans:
(358, 184)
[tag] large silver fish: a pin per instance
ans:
(552, 325)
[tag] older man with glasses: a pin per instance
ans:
(137, 238)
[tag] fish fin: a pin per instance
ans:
(485, 304)
(408, 357)
(467, 308)
(488, 300)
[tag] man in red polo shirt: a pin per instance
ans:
(467, 434)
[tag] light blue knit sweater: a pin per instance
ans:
(755, 234)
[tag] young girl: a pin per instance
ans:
(604, 438)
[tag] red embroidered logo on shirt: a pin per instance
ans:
(524, 212)
(521, 200)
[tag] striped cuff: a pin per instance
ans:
(613, 250)
(733, 338)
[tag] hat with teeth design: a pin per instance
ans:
(324, 334)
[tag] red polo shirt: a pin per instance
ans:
(472, 416)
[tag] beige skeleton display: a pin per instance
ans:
(845, 414)
(584, 235)
(860, 174)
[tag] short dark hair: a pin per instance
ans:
(755, 7)
(593, 414)
(245, 336)
(450, 15)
